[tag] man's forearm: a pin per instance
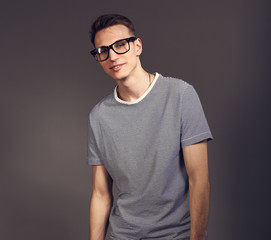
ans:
(99, 213)
(199, 208)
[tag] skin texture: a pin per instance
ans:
(101, 203)
(196, 163)
(133, 81)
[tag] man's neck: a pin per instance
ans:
(134, 86)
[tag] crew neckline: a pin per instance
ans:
(140, 98)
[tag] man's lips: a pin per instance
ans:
(116, 67)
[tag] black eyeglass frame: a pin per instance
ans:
(95, 51)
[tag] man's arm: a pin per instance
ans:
(100, 203)
(196, 162)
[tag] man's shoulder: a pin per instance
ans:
(99, 108)
(173, 83)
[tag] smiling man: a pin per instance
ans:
(149, 137)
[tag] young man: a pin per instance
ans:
(149, 137)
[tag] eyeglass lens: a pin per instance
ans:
(121, 46)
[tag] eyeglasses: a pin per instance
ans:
(120, 47)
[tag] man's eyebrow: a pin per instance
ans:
(104, 46)
(101, 47)
(111, 43)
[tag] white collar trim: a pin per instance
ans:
(139, 99)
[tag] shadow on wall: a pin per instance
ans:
(25, 227)
(38, 212)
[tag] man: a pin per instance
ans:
(149, 137)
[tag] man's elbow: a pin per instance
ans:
(199, 182)
(102, 196)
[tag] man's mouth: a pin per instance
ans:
(116, 67)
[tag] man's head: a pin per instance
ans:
(116, 47)
(109, 20)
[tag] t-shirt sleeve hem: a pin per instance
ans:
(94, 163)
(198, 138)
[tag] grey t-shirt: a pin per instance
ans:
(140, 143)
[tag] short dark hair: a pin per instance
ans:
(107, 20)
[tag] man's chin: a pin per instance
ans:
(119, 77)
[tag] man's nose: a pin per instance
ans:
(112, 55)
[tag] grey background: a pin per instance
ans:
(49, 83)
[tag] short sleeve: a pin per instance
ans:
(194, 126)
(93, 154)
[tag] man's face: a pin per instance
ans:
(119, 66)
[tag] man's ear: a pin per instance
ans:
(138, 46)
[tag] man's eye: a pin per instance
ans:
(120, 44)
(102, 50)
